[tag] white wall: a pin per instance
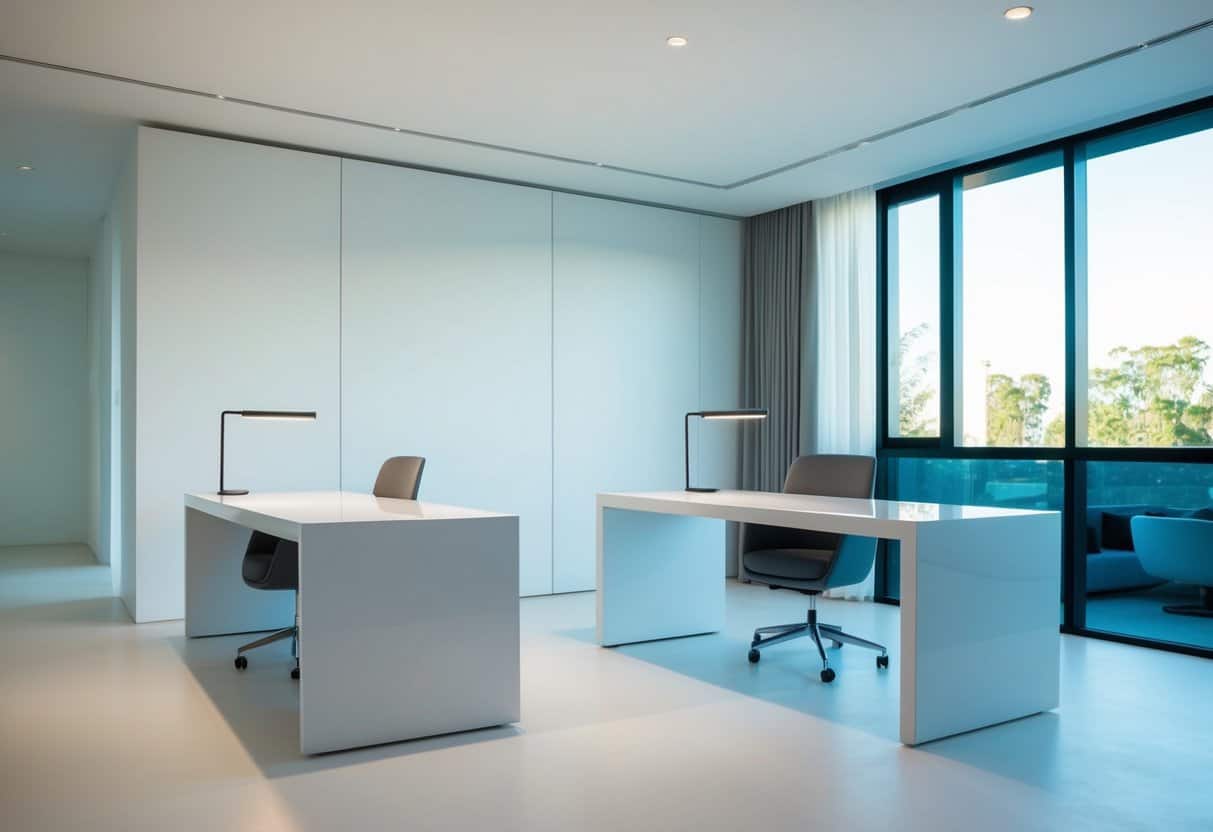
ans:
(626, 369)
(124, 215)
(237, 307)
(718, 462)
(535, 347)
(446, 348)
(100, 390)
(44, 452)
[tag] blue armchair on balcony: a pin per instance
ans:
(1178, 549)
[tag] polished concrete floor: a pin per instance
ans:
(108, 726)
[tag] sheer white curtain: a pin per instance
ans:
(839, 367)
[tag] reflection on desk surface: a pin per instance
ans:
(332, 507)
(810, 504)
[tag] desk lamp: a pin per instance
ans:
(253, 414)
(746, 414)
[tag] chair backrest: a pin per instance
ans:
(832, 475)
(399, 477)
(823, 475)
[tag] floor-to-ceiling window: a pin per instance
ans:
(1046, 342)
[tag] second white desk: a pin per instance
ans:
(980, 590)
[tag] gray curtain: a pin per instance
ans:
(778, 254)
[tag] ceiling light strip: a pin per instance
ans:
(248, 102)
(951, 111)
(535, 154)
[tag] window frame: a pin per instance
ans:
(947, 185)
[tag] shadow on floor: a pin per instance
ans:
(862, 696)
(1028, 750)
(261, 705)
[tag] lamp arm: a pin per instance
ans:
(686, 449)
(222, 426)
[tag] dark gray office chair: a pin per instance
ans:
(812, 562)
(273, 563)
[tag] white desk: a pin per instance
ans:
(409, 610)
(980, 590)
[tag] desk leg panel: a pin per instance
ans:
(659, 576)
(217, 601)
(980, 620)
(407, 630)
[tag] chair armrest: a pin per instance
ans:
(1175, 548)
(852, 561)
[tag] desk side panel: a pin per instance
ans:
(659, 576)
(407, 630)
(981, 623)
(217, 601)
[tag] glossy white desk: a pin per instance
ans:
(409, 610)
(979, 591)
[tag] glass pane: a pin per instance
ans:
(1145, 582)
(1149, 290)
(1009, 483)
(1012, 329)
(913, 297)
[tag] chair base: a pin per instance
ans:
(1202, 610)
(288, 632)
(291, 632)
(811, 628)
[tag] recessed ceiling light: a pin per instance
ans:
(676, 41)
(1018, 13)
(25, 168)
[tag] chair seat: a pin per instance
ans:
(256, 567)
(789, 564)
(274, 569)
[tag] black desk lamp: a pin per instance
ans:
(747, 413)
(253, 414)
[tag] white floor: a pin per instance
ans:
(104, 725)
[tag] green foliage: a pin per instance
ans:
(916, 392)
(1015, 411)
(1154, 396)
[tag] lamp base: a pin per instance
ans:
(232, 492)
(701, 490)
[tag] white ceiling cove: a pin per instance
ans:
(769, 104)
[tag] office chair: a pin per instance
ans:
(273, 563)
(812, 562)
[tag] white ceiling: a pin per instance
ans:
(541, 91)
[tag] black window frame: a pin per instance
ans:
(1168, 123)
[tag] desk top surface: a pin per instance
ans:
(303, 507)
(733, 505)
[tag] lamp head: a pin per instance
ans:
(283, 415)
(752, 413)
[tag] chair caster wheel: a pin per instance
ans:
(882, 661)
(827, 675)
(241, 662)
(754, 656)
(294, 673)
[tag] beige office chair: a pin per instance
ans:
(273, 563)
(812, 562)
